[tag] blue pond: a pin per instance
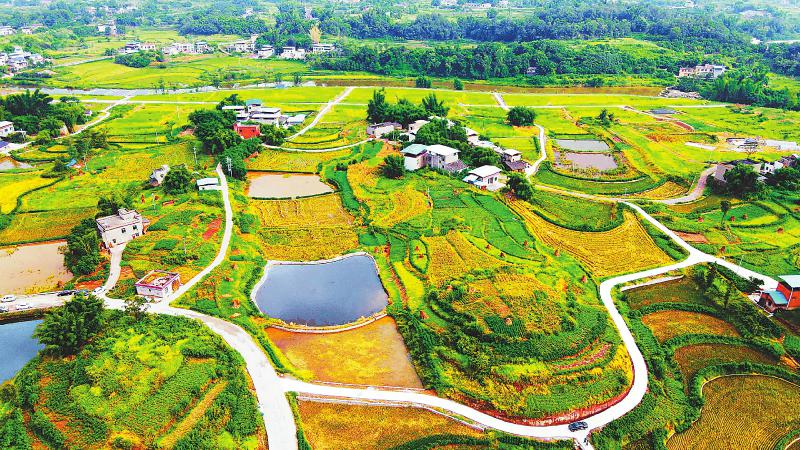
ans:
(323, 294)
(18, 345)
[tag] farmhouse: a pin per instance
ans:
(178, 48)
(445, 158)
(414, 157)
(6, 31)
(127, 224)
(377, 130)
(158, 175)
(786, 296)
(266, 51)
(703, 71)
(782, 145)
(293, 53)
(322, 48)
(158, 284)
(484, 177)
(247, 130)
(244, 46)
(208, 184)
(6, 128)
(512, 159)
(723, 168)
(202, 47)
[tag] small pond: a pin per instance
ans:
(285, 185)
(322, 294)
(599, 161)
(9, 163)
(20, 346)
(580, 145)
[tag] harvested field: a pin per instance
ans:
(285, 185)
(669, 324)
(692, 358)
(322, 211)
(32, 268)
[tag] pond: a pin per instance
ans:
(599, 161)
(9, 163)
(581, 145)
(32, 268)
(18, 338)
(325, 293)
(285, 185)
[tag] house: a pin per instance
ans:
(130, 47)
(379, 129)
(782, 145)
(743, 144)
(177, 48)
(120, 228)
(723, 168)
(414, 157)
(252, 104)
(769, 168)
(790, 161)
(245, 46)
(6, 128)
(266, 51)
(6, 31)
(293, 53)
(512, 159)
(158, 175)
(247, 130)
(445, 158)
(414, 127)
(17, 63)
(265, 114)
(502, 4)
(36, 59)
(158, 284)
(147, 46)
(296, 119)
(531, 71)
(322, 48)
(484, 177)
(702, 71)
(472, 135)
(786, 296)
(208, 184)
(202, 47)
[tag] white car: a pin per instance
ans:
(98, 290)
(23, 305)
(3, 309)
(8, 298)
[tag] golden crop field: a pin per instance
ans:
(453, 255)
(321, 211)
(692, 358)
(288, 161)
(405, 204)
(742, 412)
(669, 324)
(667, 190)
(12, 185)
(307, 244)
(626, 248)
(335, 426)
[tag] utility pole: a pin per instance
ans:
(194, 150)
(228, 161)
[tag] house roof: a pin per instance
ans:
(385, 124)
(455, 166)
(415, 150)
(485, 171)
(208, 182)
(3, 144)
(777, 297)
(792, 280)
(6, 123)
(122, 218)
(661, 111)
(253, 101)
(511, 152)
(158, 279)
(442, 150)
(516, 165)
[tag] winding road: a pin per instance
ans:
(271, 388)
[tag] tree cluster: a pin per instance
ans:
(403, 112)
(35, 112)
(139, 59)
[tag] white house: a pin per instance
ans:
(770, 167)
(208, 184)
(267, 51)
(121, 227)
(265, 114)
(296, 119)
(380, 129)
(414, 127)
(445, 158)
(293, 53)
(782, 145)
(414, 157)
(147, 46)
(158, 284)
(6, 128)
(322, 48)
(158, 175)
(6, 31)
(705, 71)
(484, 177)
(242, 47)
(202, 47)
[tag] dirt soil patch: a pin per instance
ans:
(284, 185)
(692, 237)
(32, 268)
(212, 229)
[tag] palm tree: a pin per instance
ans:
(33, 103)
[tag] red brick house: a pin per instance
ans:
(786, 296)
(246, 130)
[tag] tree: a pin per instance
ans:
(730, 294)
(297, 78)
(393, 166)
(377, 106)
(82, 252)
(273, 135)
(434, 106)
(724, 206)
(108, 205)
(423, 82)
(742, 182)
(68, 328)
(458, 85)
(520, 186)
(136, 306)
(178, 180)
(521, 116)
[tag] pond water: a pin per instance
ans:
(580, 145)
(285, 185)
(599, 161)
(322, 294)
(32, 268)
(9, 163)
(20, 346)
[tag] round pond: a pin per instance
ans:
(329, 293)
(20, 346)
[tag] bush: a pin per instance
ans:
(521, 116)
(422, 82)
(178, 180)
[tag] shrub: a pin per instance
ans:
(521, 116)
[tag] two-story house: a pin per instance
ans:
(123, 226)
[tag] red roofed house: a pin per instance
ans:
(786, 296)
(246, 130)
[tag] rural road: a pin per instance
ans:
(323, 111)
(697, 192)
